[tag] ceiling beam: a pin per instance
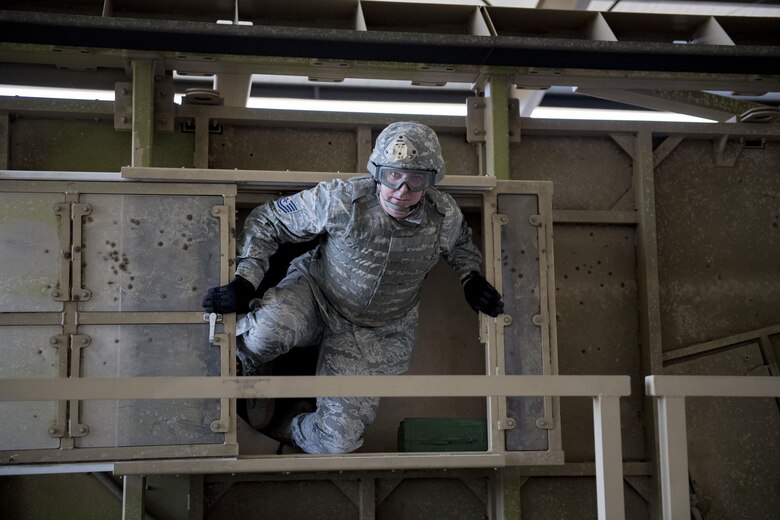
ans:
(693, 103)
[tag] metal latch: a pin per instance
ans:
(213, 318)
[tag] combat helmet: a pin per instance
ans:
(407, 145)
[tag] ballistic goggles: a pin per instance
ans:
(415, 180)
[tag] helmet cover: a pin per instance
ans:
(407, 145)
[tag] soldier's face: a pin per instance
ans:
(400, 197)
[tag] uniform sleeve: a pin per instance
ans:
(458, 248)
(294, 218)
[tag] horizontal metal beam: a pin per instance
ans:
(309, 386)
(424, 47)
(579, 216)
(274, 178)
(712, 386)
(304, 462)
(717, 344)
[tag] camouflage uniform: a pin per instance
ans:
(356, 294)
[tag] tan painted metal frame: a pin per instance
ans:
(491, 331)
(605, 391)
(68, 426)
(670, 393)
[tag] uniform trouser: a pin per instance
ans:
(288, 316)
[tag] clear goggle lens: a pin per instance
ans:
(415, 180)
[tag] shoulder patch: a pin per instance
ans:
(286, 205)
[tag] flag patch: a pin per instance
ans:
(287, 205)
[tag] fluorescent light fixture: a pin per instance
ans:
(56, 93)
(373, 107)
(614, 115)
(369, 107)
(459, 109)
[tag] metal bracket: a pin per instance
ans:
(163, 105)
(60, 292)
(60, 342)
(476, 120)
(77, 342)
(329, 70)
(78, 211)
(727, 153)
(222, 341)
(507, 423)
(546, 422)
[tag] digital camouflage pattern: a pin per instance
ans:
(356, 294)
(407, 144)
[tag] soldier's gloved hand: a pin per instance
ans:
(481, 295)
(233, 297)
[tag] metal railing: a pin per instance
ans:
(670, 393)
(604, 390)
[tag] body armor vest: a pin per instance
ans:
(372, 273)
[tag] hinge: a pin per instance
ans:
(78, 211)
(77, 342)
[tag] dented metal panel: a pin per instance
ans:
(522, 297)
(131, 264)
(148, 252)
(28, 352)
(31, 252)
(148, 350)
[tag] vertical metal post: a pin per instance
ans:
(609, 463)
(143, 113)
(497, 126)
(195, 498)
(364, 147)
(647, 253)
(509, 493)
(201, 159)
(133, 496)
(649, 285)
(5, 140)
(673, 446)
(367, 498)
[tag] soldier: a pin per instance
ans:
(357, 294)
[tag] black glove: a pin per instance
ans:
(481, 295)
(233, 297)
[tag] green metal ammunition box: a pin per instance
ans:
(442, 434)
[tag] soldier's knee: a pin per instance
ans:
(342, 437)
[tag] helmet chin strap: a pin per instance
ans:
(400, 209)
